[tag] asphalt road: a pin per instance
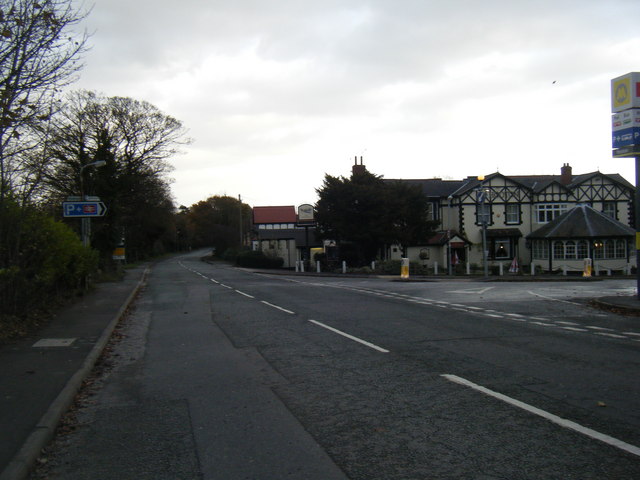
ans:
(229, 374)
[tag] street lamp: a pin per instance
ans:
(449, 198)
(481, 198)
(85, 225)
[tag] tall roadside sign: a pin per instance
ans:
(84, 209)
(625, 130)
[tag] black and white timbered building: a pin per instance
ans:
(510, 208)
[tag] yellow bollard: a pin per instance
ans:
(404, 268)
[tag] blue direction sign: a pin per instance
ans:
(626, 137)
(83, 209)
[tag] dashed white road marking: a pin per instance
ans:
(478, 291)
(553, 299)
(245, 294)
(575, 329)
(351, 337)
(563, 422)
(544, 322)
(611, 335)
(593, 327)
(277, 307)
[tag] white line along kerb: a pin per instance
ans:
(563, 422)
(350, 337)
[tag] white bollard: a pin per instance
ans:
(344, 266)
(302, 266)
(435, 268)
(373, 265)
(468, 268)
(533, 268)
(297, 266)
(501, 268)
(317, 266)
(564, 270)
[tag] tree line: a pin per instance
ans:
(57, 144)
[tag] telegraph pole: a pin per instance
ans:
(240, 223)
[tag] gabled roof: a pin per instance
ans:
(283, 214)
(433, 187)
(582, 222)
(442, 237)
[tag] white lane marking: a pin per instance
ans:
(245, 294)
(214, 281)
(573, 324)
(551, 298)
(593, 327)
(478, 291)
(632, 333)
(53, 342)
(563, 422)
(611, 335)
(277, 307)
(350, 337)
(543, 324)
(225, 286)
(574, 329)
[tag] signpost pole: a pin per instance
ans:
(637, 222)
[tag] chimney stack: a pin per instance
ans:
(566, 174)
(358, 169)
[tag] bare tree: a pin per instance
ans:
(133, 140)
(39, 53)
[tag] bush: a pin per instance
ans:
(41, 261)
(257, 259)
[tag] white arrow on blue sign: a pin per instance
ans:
(83, 209)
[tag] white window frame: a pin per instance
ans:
(547, 212)
(512, 217)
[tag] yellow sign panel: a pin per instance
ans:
(625, 92)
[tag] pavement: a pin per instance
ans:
(40, 375)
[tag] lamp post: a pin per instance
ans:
(449, 198)
(85, 225)
(482, 197)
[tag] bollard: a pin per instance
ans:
(564, 270)
(317, 266)
(302, 266)
(344, 266)
(501, 269)
(373, 265)
(468, 268)
(435, 268)
(404, 268)
(533, 268)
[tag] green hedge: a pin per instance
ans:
(257, 259)
(41, 260)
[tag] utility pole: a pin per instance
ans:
(240, 223)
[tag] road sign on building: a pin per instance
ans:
(83, 209)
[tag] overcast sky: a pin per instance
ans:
(276, 93)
